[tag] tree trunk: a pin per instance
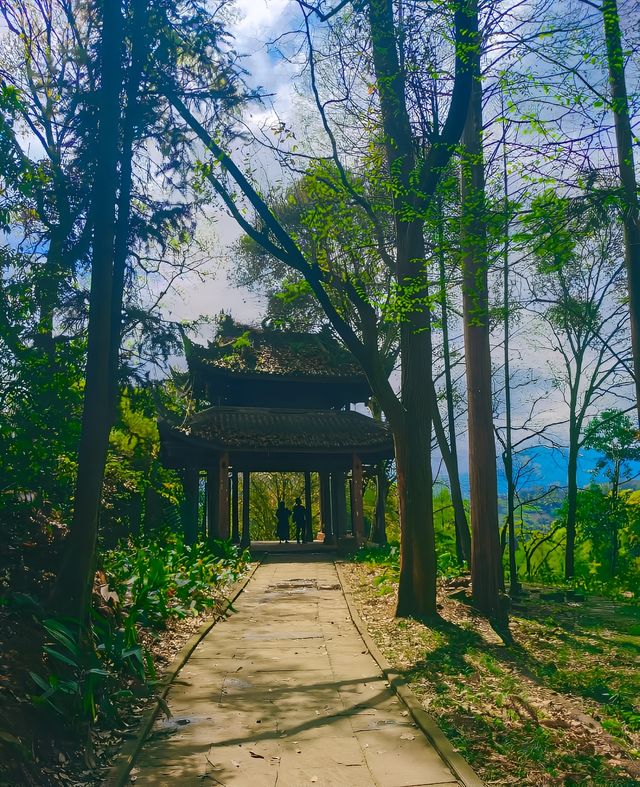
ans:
(616, 506)
(450, 459)
(463, 537)
(626, 167)
(486, 570)
(139, 52)
(514, 585)
(71, 595)
(572, 504)
(411, 429)
(379, 534)
(417, 588)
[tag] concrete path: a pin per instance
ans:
(285, 693)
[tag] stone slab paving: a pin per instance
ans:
(285, 693)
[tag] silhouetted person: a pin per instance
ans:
(299, 515)
(282, 517)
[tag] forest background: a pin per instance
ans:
(452, 203)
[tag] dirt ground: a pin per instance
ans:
(558, 707)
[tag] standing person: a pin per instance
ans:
(282, 517)
(299, 519)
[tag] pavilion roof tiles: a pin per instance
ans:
(250, 351)
(283, 429)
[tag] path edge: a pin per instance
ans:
(456, 762)
(119, 771)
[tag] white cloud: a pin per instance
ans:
(257, 23)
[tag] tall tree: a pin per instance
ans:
(627, 171)
(613, 435)
(486, 567)
(509, 470)
(75, 574)
(578, 270)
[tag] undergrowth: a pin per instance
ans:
(558, 707)
(93, 672)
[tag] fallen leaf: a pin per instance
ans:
(407, 736)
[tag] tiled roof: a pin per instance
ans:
(259, 428)
(246, 350)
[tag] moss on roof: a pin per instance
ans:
(245, 349)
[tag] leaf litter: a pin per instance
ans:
(529, 714)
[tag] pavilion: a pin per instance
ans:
(274, 401)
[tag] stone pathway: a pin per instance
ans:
(285, 693)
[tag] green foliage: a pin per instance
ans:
(78, 696)
(142, 585)
(613, 435)
(41, 393)
(609, 527)
(266, 490)
(84, 680)
(138, 491)
(242, 342)
(548, 228)
(161, 578)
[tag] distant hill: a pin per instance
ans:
(543, 467)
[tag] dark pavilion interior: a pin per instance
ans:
(274, 401)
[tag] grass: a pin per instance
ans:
(558, 707)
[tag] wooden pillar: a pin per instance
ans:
(235, 519)
(325, 508)
(202, 525)
(245, 541)
(213, 486)
(307, 504)
(189, 512)
(338, 505)
(218, 499)
(224, 509)
(357, 503)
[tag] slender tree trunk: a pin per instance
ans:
(379, 534)
(76, 572)
(139, 52)
(615, 504)
(486, 569)
(412, 429)
(572, 502)
(450, 458)
(514, 585)
(463, 537)
(626, 167)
